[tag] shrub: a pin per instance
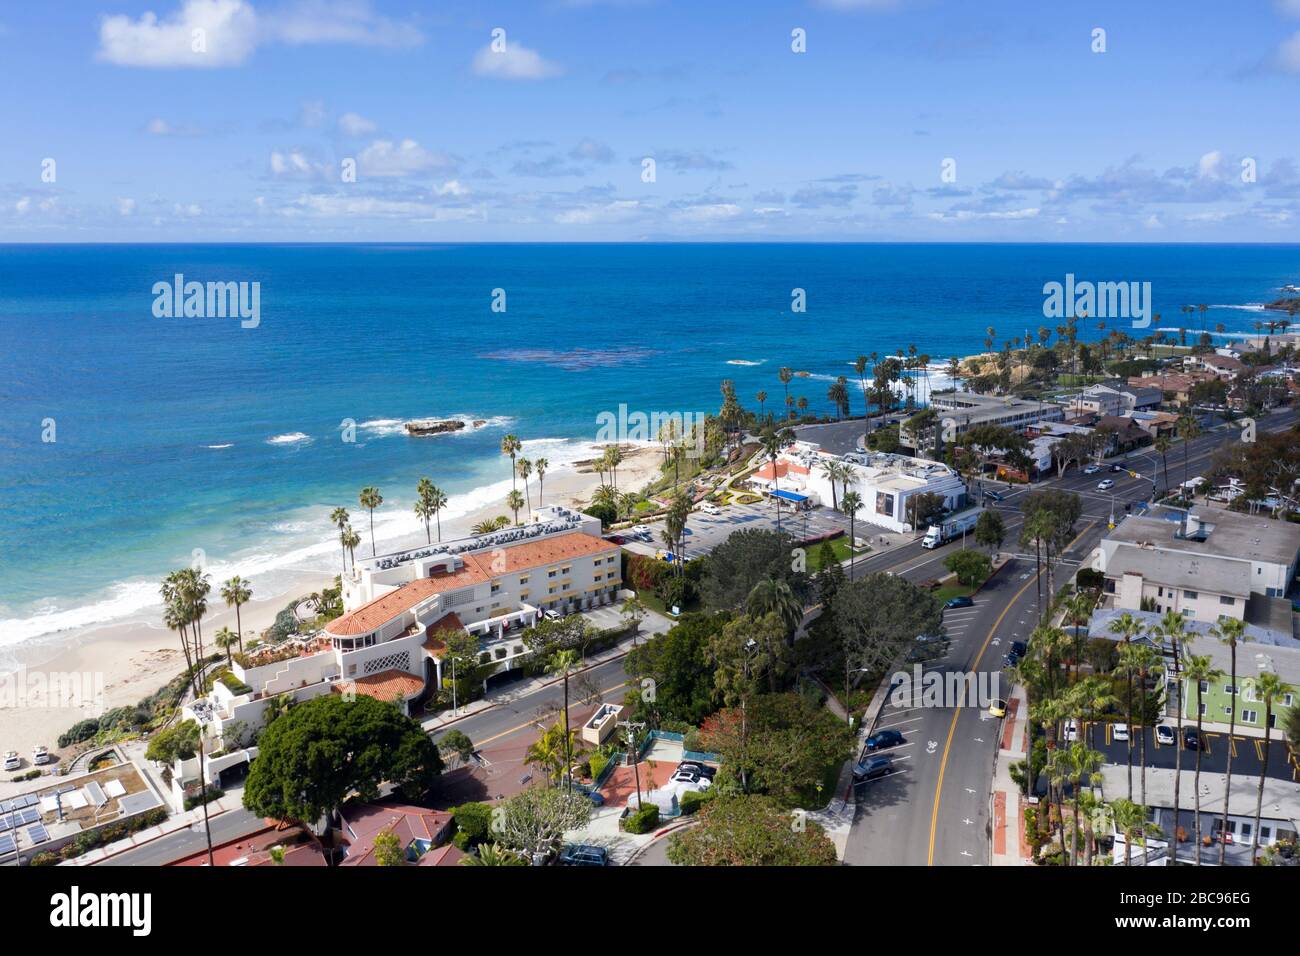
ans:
(214, 793)
(1090, 578)
(691, 800)
(643, 820)
(45, 858)
(474, 820)
(82, 730)
(598, 762)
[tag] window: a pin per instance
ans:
(1249, 693)
(1249, 716)
(551, 573)
(1230, 690)
(1189, 612)
(523, 579)
(1227, 711)
(495, 588)
(1286, 701)
(565, 586)
(1204, 686)
(1191, 595)
(1203, 708)
(1227, 601)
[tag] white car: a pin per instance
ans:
(40, 756)
(1071, 731)
(1119, 731)
(1105, 485)
(684, 776)
(1092, 469)
(711, 509)
(11, 760)
(1165, 735)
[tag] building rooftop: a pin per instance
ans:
(1227, 534)
(1202, 573)
(365, 821)
(391, 684)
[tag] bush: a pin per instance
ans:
(691, 800)
(1090, 578)
(82, 730)
(214, 793)
(45, 858)
(643, 820)
(474, 820)
(598, 763)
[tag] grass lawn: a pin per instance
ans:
(947, 591)
(829, 778)
(651, 600)
(841, 548)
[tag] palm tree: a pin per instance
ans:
(1230, 631)
(1173, 628)
(371, 499)
(174, 620)
(339, 517)
(437, 501)
(539, 466)
(490, 854)
(424, 511)
(1162, 445)
(351, 539)
(226, 639)
(237, 591)
(525, 471)
(771, 596)
(850, 505)
(515, 501)
(786, 375)
(1200, 671)
(563, 662)
(1268, 686)
(762, 406)
(1131, 820)
(511, 445)
(1128, 627)
(1082, 763)
(833, 472)
(614, 456)
(1187, 430)
(1146, 661)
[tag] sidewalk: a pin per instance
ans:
(1007, 844)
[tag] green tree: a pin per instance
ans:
(388, 849)
(775, 597)
(340, 519)
(851, 505)
(533, 823)
(1199, 670)
(1232, 632)
(371, 499)
(971, 567)
(180, 741)
(747, 557)
(490, 854)
(1268, 687)
(225, 639)
(671, 676)
(515, 501)
(990, 531)
(564, 662)
(325, 749)
(749, 831)
(456, 743)
(237, 592)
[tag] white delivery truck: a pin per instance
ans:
(953, 526)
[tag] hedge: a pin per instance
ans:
(598, 762)
(643, 820)
(692, 799)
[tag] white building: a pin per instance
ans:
(386, 644)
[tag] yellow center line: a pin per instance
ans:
(952, 728)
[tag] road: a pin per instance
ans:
(227, 826)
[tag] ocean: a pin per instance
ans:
(176, 434)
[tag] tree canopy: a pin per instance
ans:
(323, 750)
(677, 662)
(746, 558)
(750, 831)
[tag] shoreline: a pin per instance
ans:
(127, 661)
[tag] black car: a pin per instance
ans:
(884, 738)
(1018, 650)
(1191, 738)
(1116, 468)
(582, 854)
(701, 769)
(961, 601)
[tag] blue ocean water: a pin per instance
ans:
(183, 433)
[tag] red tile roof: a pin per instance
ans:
(448, 622)
(366, 821)
(385, 685)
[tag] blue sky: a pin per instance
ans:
(247, 137)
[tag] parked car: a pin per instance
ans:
(584, 854)
(12, 761)
(998, 708)
(873, 767)
(1070, 732)
(1119, 732)
(703, 769)
(884, 738)
(615, 539)
(1191, 738)
(597, 800)
(1165, 735)
(1015, 654)
(40, 755)
(711, 509)
(1092, 469)
(1105, 485)
(690, 776)
(961, 601)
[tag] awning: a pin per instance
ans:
(788, 496)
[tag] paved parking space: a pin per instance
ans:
(1247, 753)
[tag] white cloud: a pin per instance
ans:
(125, 206)
(1210, 165)
(202, 33)
(514, 62)
(592, 151)
(333, 206)
(23, 205)
(158, 127)
(383, 158)
(1288, 54)
(710, 212)
(292, 165)
(451, 188)
(970, 215)
(354, 124)
(619, 210)
(222, 33)
(187, 210)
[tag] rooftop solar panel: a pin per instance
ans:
(6, 822)
(7, 845)
(37, 834)
(29, 815)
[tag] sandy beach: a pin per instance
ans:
(121, 664)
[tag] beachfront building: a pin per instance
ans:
(389, 643)
(1205, 564)
(886, 483)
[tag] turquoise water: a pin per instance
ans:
(183, 433)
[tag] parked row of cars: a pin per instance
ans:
(40, 756)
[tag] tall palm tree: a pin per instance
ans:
(237, 592)
(832, 470)
(860, 366)
(1131, 820)
(850, 504)
(1230, 631)
(1127, 627)
(1199, 670)
(511, 445)
(339, 517)
(614, 455)
(424, 511)
(564, 662)
(1173, 628)
(1147, 662)
(226, 639)
(771, 596)
(786, 375)
(351, 540)
(525, 472)
(371, 499)
(1269, 687)
(515, 501)
(174, 620)
(1162, 444)
(437, 501)
(540, 466)
(762, 406)
(1187, 430)
(1082, 763)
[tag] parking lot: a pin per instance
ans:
(705, 532)
(1247, 754)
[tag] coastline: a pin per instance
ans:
(126, 662)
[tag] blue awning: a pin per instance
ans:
(788, 496)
